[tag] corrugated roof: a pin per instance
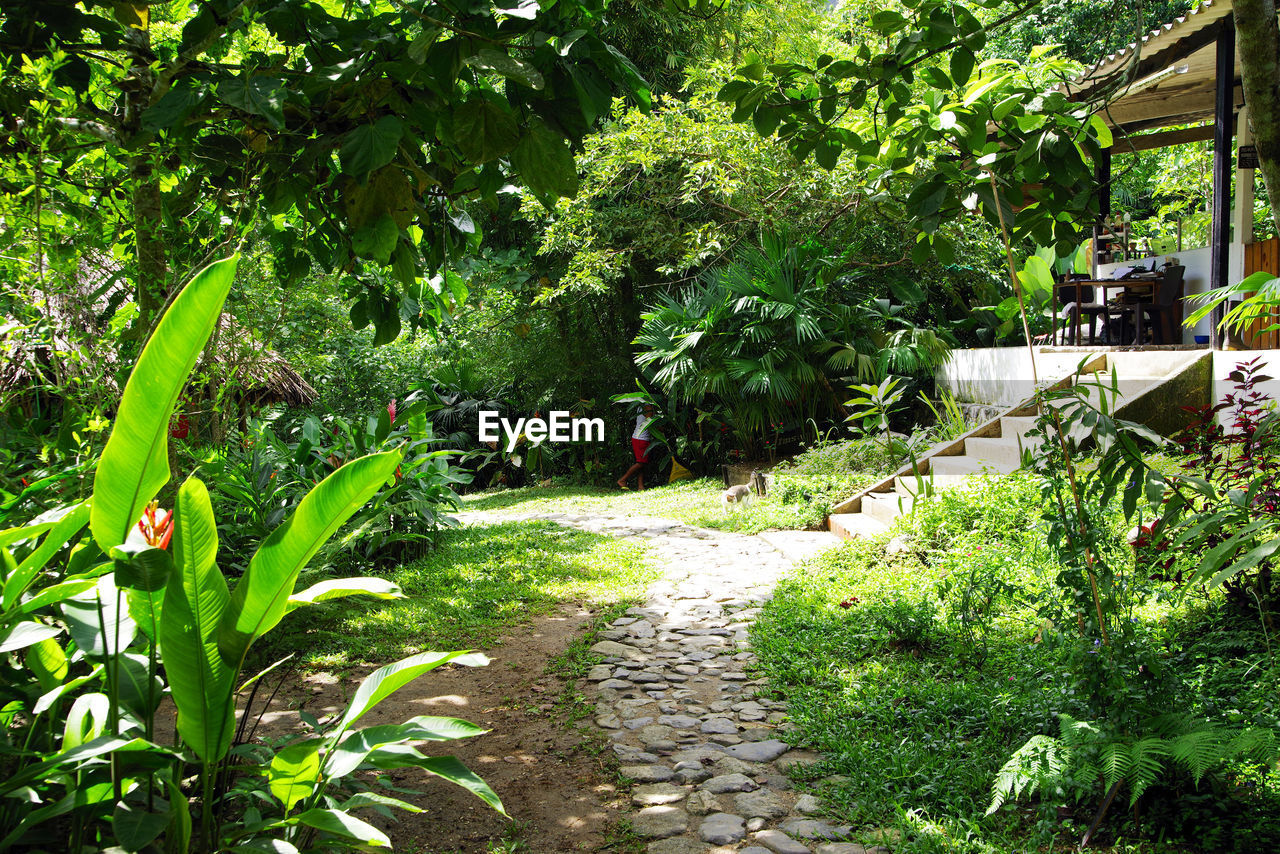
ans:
(1149, 48)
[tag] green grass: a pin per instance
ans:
(804, 491)
(481, 581)
(903, 708)
(917, 708)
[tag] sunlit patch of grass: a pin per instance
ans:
(482, 580)
(693, 502)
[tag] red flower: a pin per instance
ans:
(391, 410)
(156, 525)
(850, 602)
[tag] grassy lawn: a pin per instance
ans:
(803, 492)
(917, 708)
(482, 580)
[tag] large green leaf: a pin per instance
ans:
(510, 67)
(445, 767)
(356, 746)
(261, 96)
(484, 130)
(194, 602)
(135, 827)
(388, 679)
(377, 240)
(261, 598)
(545, 163)
(295, 772)
(340, 823)
(135, 463)
(25, 634)
(371, 147)
(85, 623)
(337, 588)
(66, 528)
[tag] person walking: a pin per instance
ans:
(640, 443)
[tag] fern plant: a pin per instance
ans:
(1087, 752)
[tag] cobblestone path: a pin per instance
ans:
(676, 699)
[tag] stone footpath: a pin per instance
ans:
(675, 698)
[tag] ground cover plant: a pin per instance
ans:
(967, 664)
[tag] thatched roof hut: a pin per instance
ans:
(262, 374)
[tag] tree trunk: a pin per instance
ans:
(149, 248)
(1258, 41)
(150, 252)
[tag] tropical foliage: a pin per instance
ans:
(112, 603)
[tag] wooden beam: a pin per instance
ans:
(1223, 127)
(1101, 174)
(1162, 139)
(1168, 106)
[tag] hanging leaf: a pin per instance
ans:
(526, 9)
(484, 130)
(377, 240)
(371, 147)
(498, 62)
(545, 163)
(259, 96)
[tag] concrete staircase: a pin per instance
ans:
(1143, 382)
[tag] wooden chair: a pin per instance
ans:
(1164, 312)
(1094, 311)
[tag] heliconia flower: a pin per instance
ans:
(155, 527)
(391, 410)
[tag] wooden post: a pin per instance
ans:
(1220, 230)
(1102, 174)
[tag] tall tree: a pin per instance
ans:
(355, 132)
(1258, 38)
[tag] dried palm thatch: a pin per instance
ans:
(261, 374)
(62, 348)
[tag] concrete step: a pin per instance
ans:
(852, 526)
(939, 482)
(1129, 387)
(1016, 425)
(967, 465)
(1006, 451)
(886, 506)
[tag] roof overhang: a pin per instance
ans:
(1166, 78)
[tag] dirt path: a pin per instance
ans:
(552, 779)
(672, 705)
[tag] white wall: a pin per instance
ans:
(1225, 361)
(1001, 376)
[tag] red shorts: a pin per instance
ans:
(641, 449)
